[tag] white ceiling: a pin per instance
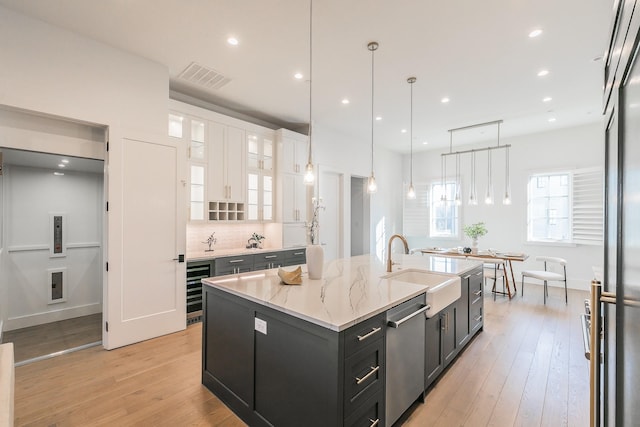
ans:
(477, 53)
(53, 162)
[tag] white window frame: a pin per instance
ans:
(585, 207)
(435, 203)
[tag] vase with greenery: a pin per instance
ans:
(474, 231)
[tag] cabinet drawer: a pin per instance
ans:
(364, 333)
(370, 414)
(268, 260)
(295, 256)
(363, 375)
(475, 282)
(233, 264)
(476, 317)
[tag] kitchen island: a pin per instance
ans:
(309, 354)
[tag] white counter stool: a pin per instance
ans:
(547, 275)
(495, 270)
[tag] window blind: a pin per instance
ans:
(415, 218)
(588, 206)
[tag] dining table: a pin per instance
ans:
(487, 255)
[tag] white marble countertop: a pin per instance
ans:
(218, 253)
(350, 291)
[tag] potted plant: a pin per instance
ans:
(255, 241)
(474, 231)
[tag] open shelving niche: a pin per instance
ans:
(226, 211)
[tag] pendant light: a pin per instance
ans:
(443, 175)
(309, 177)
(457, 196)
(507, 184)
(473, 196)
(372, 187)
(488, 198)
(411, 194)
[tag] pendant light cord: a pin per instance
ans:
(411, 81)
(310, 75)
(372, 47)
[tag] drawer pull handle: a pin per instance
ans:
(233, 261)
(397, 323)
(466, 277)
(477, 319)
(298, 253)
(270, 256)
(375, 422)
(478, 293)
(371, 372)
(480, 273)
(373, 331)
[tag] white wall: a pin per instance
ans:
(562, 149)
(57, 72)
(31, 195)
(342, 154)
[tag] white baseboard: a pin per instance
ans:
(52, 316)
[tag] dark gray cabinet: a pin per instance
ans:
(227, 356)
(265, 261)
(274, 369)
(453, 328)
(469, 307)
(295, 256)
(434, 363)
(448, 331)
(233, 264)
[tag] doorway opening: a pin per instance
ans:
(51, 236)
(360, 217)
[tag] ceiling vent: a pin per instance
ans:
(202, 76)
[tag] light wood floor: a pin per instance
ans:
(526, 368)
(52, 337)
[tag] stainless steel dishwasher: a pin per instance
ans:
(405, 355)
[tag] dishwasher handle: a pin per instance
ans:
(396, 324)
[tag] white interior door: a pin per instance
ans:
(145, 292)
(330, 232)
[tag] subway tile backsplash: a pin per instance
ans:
(232, 236)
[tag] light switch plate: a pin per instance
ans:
(261, 325)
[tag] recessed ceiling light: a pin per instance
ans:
(345, 101)
(62, 165)
(298, 76)
(543, 73)
(425, 143)
(378, 118)
(535, 33)
(552, 119)
(65, 161)
(444, 100)
(403, 131)
(546, 99)
(58, 173)
(232, 41)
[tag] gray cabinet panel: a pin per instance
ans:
(295, 372)
(433, 347)
(228, 347)
(234, 264)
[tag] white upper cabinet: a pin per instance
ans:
(294, 152)
(226, 164)
(260, 169)
(292, 159)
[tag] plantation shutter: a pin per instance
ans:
(415, 218)
(588, 206)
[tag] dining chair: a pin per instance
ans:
(494, 270)
(548, 275)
